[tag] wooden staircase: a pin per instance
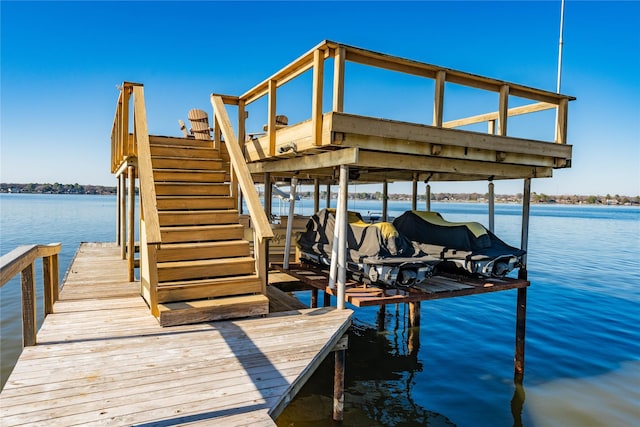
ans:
(205, 270)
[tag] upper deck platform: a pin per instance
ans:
(379, 149)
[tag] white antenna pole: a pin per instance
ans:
(560, 46)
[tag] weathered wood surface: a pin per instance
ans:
(102, 359)
(435, 287)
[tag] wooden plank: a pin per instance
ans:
(430, 164)
(328, 159)
(411, 132)
(15, 261)
(438, 98)
(503, 110)
(487, 117)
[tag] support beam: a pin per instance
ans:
(122, 206)
(491, 207)
(328, 196)
(131, 193)
(414, 192)
(292, 206)
(521, 307)
(316, 195)
(338, 385)
(342, 238)
(385, 201)
(503, 110)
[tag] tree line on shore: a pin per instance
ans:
(608, 199)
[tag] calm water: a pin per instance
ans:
(582, 343)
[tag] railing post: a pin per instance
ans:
(503, 110)
(28, 306)
(47, 279)
(438, 98)
(338, 79)
(131, 224)
(561, 121)
(316, 106)
(271, 121)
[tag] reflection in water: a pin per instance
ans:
(517, 402)
(380, 375)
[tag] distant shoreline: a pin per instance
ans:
(608, 200)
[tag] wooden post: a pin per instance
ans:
(118, 217)
(28, 306)
(314, 297)
(328, 196)
(438, 99)
(55, 278)
(326, 301)
(316, 195)
(385, 201)
(414, 314)
(342, 238)
(271, 123)
(292, 206)
(561, 121)
(382, 312)
(338, 80)
(268, 194)
(414, 193)
(131, 224)
(338, 385)
(47, 278)
(428, 198)
(491, 207)
(316, 106)
(122, 200)
(503, 110)
(521, 307)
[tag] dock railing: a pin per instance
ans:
(315, 59)
(260, 222)
(131, 157)
(22, 261)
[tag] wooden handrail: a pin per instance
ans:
(21, 260)
(145, 169)
(256, 211)
(516, 111)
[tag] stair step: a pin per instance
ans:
(179, 141)
(185, 312)
(175, 162)
(165, 203)
(203, 250)
(201, 233)
(202, 269)
(159, 150)
(201, 217)
(192, 189)
(188, 175)
(209, 288)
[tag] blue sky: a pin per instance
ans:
(61, 63)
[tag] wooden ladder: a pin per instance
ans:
(204, 264)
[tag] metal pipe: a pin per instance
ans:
(342, 237)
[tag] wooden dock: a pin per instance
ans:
(102, 359)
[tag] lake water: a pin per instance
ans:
(582, 339)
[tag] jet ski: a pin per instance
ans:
(468, 246)
(376, 253)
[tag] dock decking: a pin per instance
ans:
(102, 358)
(436, 287)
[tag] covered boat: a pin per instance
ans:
(465, 245)
(376, 253)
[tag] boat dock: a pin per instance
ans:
(102, 359)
